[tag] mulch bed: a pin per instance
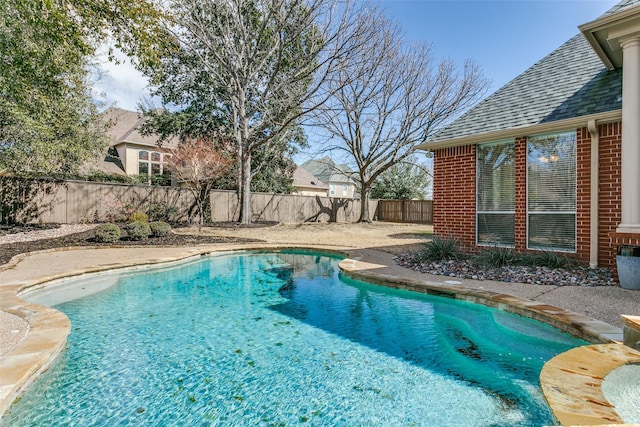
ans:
(9, 250)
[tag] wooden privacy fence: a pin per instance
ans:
(412, 211)
(71, 202)
(288, 208)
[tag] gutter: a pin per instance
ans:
(603, 34)
(538, 128)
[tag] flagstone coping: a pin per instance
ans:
(571, 383)
(48, 328)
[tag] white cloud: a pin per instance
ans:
(120, 85)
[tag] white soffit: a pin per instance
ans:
(604, 34)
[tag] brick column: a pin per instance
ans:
(521, 194)
(454, 194)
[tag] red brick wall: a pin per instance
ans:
(455, 184)
(583, 194)
(454, 194)
(609, 210)
(521, 194)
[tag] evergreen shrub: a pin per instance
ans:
(159, 228)
(138, 230)
(107, 233)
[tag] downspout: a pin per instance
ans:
(593, 220)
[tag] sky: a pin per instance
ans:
(505, 37)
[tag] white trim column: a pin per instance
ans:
(630, 146)
(594, 219)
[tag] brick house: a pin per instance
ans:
(551, 161)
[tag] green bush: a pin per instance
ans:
(442, 249)
(138, 216)
(498, 257)
(138, 230)
(160, 180)
(162, 212)
(546, 259)
(107, 233)
(159, 228)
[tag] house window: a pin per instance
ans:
(344, 189)
(332, 189)
(496, 194)
(152, 163)
(551, 192)
(143, 162)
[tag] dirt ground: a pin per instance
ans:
(389, 237)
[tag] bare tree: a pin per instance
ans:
(270, 61)
(198, 163)
(390, 99)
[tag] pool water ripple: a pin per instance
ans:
(281, 339)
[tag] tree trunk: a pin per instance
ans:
(364, 204)
(245, 187)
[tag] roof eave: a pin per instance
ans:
(539, 128)
(603, 33)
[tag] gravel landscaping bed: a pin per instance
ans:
(466, 269)
(23, 241)
(17, 240)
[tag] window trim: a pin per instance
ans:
(479, 212)
(574, 213)
(163, 162)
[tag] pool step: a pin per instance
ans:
(631, 331)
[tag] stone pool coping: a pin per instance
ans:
(48, 328)
(571, 383)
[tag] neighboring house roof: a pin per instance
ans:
(125, 128)
(303, 179)
(570, 82)
(110, 164)
(328, 171)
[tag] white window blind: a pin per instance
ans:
(551, 191)
(496, 194)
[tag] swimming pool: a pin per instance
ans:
(281, 339)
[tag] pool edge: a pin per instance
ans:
(48, 328)
(571, 381)
(48, 331)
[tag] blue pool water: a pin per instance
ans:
(281, 339)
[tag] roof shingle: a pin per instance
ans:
(569, 82)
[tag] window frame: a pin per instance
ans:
(528, 213)
(478, 212)
(146, 157)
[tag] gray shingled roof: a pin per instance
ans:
(327, 170)
(569, 82)
(624, 4)
(125, 127)
(110, 164)
(303, 179)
